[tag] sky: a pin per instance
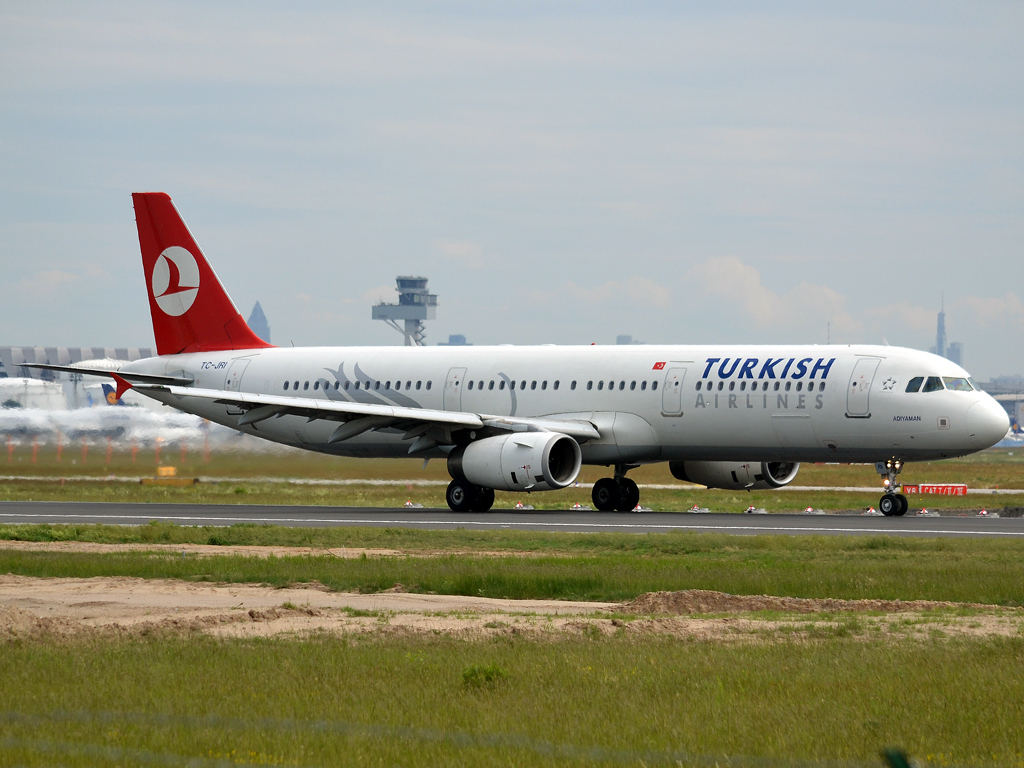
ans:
(561, 172)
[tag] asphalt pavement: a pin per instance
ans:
(13, 512)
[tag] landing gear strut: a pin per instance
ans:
(619, 493)
(892, 504)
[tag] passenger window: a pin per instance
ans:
(316, 385)
(600, 385)
(743, 386)
(346, 386)
(788, 385)
(555, 385)
(408, 386)
(502, 384)
(533, 385)
(721, 386)
(764, 387)
(643, 385)
(611, 385)
(295, 386)
(336, 385)
(387, 385)
(428, 384)
(522, 385)
(799, 386)
(776, 387)
(491, 385)
(622, 385)
(376, 385)
(512, 384)
(934, 384)
(915, 384)
(572, 386)
(654, 385)
(543, 385)
(956, 384)
(590, 385)
(419, 384)
(305, 385)
(286, 386)
(480, 385)
(632, 386)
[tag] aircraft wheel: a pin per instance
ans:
(606, 494)
(484, 500)
(904, 505)
(889, 505)
(629, 496)
(460, 495)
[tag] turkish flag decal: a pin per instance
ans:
(658, 367)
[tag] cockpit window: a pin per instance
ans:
(914, 384)
(957, 384)
(934, 384)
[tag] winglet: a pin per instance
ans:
(122, 386)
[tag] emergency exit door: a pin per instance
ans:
(858, 394)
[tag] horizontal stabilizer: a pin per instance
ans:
(140, 378)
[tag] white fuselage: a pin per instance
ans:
(650, 403)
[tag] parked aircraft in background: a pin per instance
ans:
(526, 418)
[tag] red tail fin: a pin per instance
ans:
(191, 310)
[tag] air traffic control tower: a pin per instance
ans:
(415, 304)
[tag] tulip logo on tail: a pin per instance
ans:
(175, 281)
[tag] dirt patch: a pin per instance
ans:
(32, 608)
(199, 550)
(703, 601)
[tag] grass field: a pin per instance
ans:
(562, 566)
(840, 691)
(991, 469)
(443, 701)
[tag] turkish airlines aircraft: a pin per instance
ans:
(527, 418)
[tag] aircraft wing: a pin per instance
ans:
(429, 425)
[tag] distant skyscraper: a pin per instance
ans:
(625, 338)
(258, 323)
(954, 352)
(455, 340)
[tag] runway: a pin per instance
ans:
(28, 512)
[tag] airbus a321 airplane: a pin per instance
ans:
(526, 418)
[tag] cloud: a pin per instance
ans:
(470, 254)
(739, 286)
(380, 294)
(46, 283)
(636, 289)
(993, 311)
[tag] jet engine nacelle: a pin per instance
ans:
(522, 461)
(735, 477)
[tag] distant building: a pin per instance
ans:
(13, 359)
(455, 340)
(953, 352)
(626, 339)
(415, 304)
(258, 323)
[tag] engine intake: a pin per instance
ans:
(522, 461)
(733, 476)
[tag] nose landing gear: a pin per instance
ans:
(618, 494)
(892, 504)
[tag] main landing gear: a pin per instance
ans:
(463, 496)
(619, 494)
(892, 504)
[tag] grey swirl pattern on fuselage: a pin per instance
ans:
(511, 390)
(375, 397)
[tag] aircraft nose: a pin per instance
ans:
(987, 422)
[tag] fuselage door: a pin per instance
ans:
(453, 389)
(672, 392)
(233, 378)
(859, 391)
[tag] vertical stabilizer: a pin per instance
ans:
(191, 310)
